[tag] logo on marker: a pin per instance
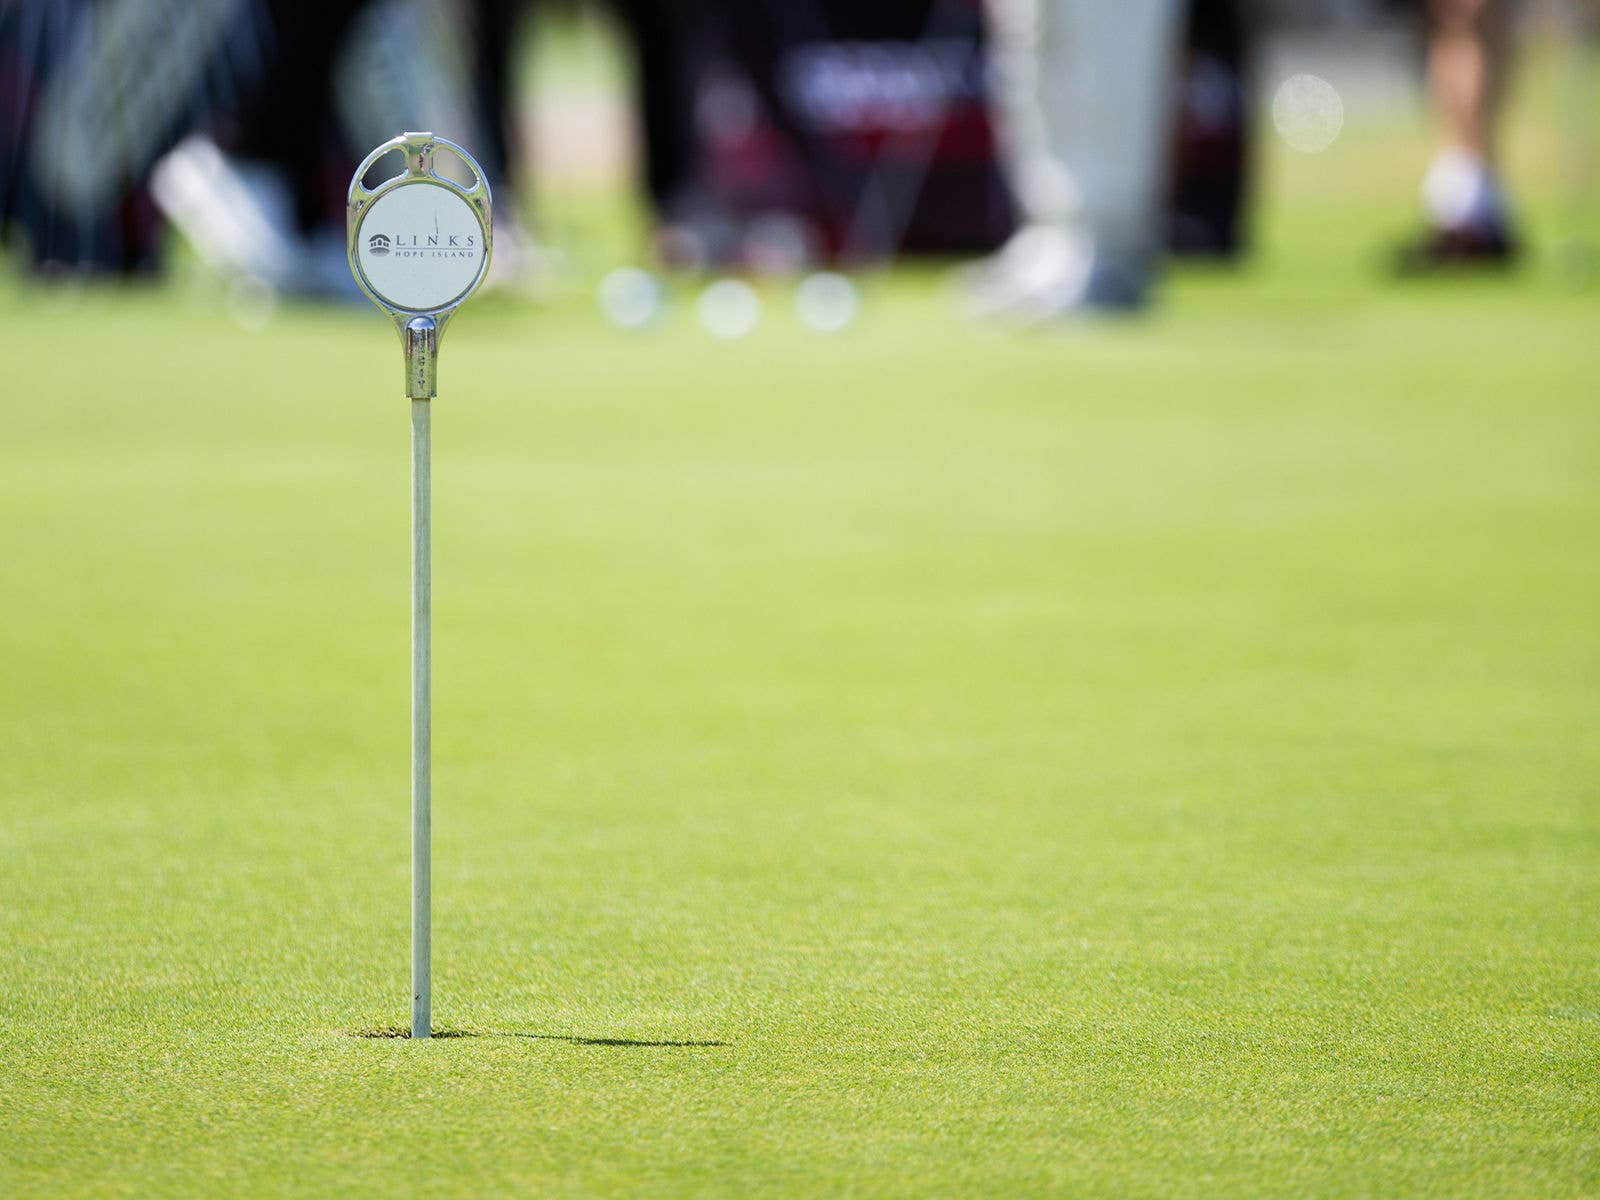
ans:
(378, 244)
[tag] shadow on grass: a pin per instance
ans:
(400, 1031)
(600, 1041)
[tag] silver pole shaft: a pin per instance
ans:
(421, 725)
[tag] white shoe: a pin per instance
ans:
(1049, 271)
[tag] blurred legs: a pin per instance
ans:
(1083, 90)
(1468, 60)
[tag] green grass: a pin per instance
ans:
(1139, 761)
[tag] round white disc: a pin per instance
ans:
(420, 246)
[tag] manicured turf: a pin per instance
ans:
(1143, 761)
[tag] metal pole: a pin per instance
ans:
(421, 725)
(420, 290)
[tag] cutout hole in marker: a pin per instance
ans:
(447, 164)
(390, 165)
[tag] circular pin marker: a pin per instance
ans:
(420, 247)
(419, 244)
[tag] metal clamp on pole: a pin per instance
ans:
(421, 340)
(419, 245)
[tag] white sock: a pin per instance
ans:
(1459, 192)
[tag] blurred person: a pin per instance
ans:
(1211, 150)
(459, 81)
(1084, 95)
(239, 119)
(104, 90)
(495, 26)
(782, 133)
(94, 92)
(666, 43)
(662, 38)
(1468, 215)
(256, 187)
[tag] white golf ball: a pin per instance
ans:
(826, 301)
(1308, 113)
(729, 309)
(631, 297)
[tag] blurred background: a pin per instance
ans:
(149, 138)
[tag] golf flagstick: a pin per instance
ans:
(419, 245)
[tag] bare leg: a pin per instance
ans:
(1468, 58)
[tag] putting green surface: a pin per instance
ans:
(1141, 761)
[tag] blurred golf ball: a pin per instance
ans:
(1308, 113)
(729, 308)
(631, 297)
(826, 301)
